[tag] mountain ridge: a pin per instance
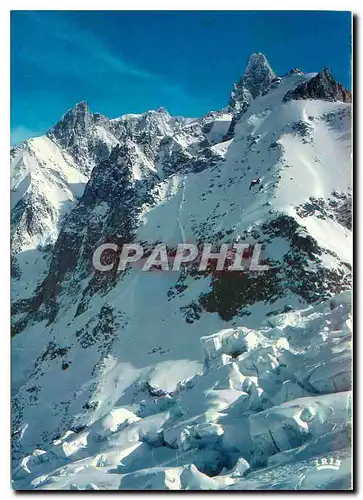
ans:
(129, 345)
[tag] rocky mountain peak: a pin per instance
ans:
(75, 122)
(255, 61)
(322, 86)
(83, 135)
(257, 77)
(80, 107)
(162, 110)
(258, 74)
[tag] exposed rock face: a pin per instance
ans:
(114, 197)
(258, 74)
(299, 270)
(85, 136)
(240, 98)
(75, 123)
(294, 71)
(322, 86)
(257, 77)
(146, 129)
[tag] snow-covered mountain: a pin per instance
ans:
(186, 379)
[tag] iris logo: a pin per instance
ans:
(328, 463)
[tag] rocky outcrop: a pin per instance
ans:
(322, 86)
(258, 74)
(240, 99)
(294, 71)
(75, 122)
(84, 135)
(257, 77)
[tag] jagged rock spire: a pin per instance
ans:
(257, 77)
(258, 74)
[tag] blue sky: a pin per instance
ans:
(128, 62)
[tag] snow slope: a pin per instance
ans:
(167, 376)
(46, 184)
(276, 397)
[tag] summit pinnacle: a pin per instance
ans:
(257, 77)
(258, 74)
